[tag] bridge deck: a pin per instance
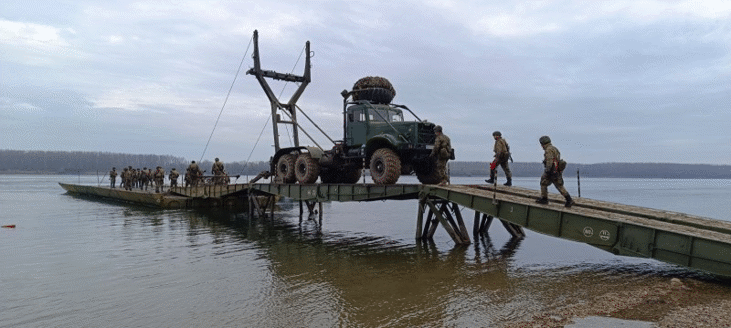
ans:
(677, 238)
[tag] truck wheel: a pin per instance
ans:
(427, 172)
(385, 167)
(306, 169)
(285, 168)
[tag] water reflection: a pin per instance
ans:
(366, 280)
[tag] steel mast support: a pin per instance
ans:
(289, 107)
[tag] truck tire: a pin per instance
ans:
(375, 95)
(427, 172)
(285, 168)
(375, 89)
(385, 167)
(306, 169)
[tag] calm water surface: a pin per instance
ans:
(76, 262)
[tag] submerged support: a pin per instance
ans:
(486, 221)
(481, 223)
(460, 221)
(420, 218)
(514, 229)
(441, 210)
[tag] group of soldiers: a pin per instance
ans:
(442, 152)
(194, 174)
(141, 178)
(553, 165)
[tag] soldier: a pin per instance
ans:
(443, 152)
(159, 177)
(174, 178)
(217, 170)
(502, 155)
(126, 178)
(193, 173)
(144, 178)
(553, 172)
(113, 176)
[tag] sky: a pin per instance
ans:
(608, 81)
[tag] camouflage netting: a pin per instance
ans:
(378, 90)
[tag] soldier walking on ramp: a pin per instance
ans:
(502, 155)
(113, 176)
(553, 172)
(443, 152)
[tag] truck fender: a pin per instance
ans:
(315, 152)
(380, 141)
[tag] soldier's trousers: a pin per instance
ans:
(442, 169)
(506, 169)
(556, 180)
(113, 181)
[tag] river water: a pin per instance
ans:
(76, 262)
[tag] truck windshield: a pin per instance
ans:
(379, 115)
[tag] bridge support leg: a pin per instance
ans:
(311, 208)
(486, 222)
(514, 229)
(445, 213)
(420, 218)
(271, 203)
(481, 224)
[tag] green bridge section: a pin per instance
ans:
(671, 237)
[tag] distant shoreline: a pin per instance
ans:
(72, 163)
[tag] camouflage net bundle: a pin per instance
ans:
(376, 89)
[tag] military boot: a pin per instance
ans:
(569, 201)
(542, 200)
(509, 183)
(492, 178)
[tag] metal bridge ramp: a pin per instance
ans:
(677, 238)
(210, 191)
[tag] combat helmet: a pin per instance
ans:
(544, 140)
(438, 128)
(497, 133)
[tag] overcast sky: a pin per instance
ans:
(608, 81)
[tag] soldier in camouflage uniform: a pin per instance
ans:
(193, 173)
(217, 170)
(173, 178)
(113, 176)
(126, 179)
(502, 155)
(159, 177)
(442, 152)
(552, 173)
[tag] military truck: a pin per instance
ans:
(375, 135)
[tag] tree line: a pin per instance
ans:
(75, 162)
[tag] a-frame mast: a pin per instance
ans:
(289, 107)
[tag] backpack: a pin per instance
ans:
(561, 165)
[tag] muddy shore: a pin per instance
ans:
(670, 302)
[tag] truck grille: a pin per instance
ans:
(426, 134)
